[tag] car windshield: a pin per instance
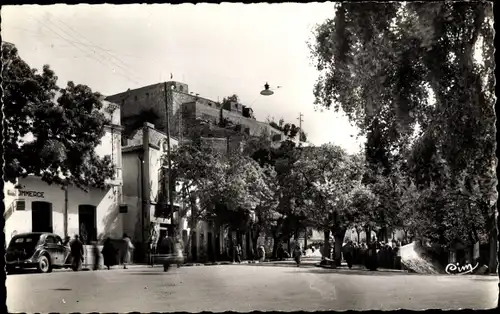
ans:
(24, 241)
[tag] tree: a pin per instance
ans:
(66, 126)
(380, 63)
(326, 176)
(227, 188)
(289, 218)
(364, 203)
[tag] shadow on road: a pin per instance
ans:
(62, 289)
(355, 272)
(279, 265)
(156, 273)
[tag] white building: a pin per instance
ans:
(142, 186)
(33, 205)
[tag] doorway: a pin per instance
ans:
(87, 223)
(41, 217)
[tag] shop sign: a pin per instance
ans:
(31, 194)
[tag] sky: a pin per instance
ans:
(218, 50)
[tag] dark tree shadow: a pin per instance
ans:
(360, 272)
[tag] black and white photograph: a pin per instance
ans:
(249, 157)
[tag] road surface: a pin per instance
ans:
(244, 288)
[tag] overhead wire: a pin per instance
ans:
(76, 42)
(95, 50)
(125, 65)
(85, 52)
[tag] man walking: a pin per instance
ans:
(129, 247)
(76, 247)
(297, 252)
(238, 254)
(349, 253)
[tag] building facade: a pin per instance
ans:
(144, 192)
(184, 110)
(33, 205)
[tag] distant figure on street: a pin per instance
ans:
(97, 255)
(262, 253)
(109, 253)
(349, 253)
(166, 247)
(371, 259)
(297, 253)
(67, 240)
(179, 250)
(76, 248)
(238, 254)
(281, 252)
(128, 250)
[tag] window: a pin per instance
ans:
(135, 98)
(59, 240)
(50, 240)
(20, 205)
(147, 95)
(181, 88)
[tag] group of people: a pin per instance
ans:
(377, 253)
(109, 253)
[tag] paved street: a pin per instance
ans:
(243, 288)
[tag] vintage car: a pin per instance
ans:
(40, 250)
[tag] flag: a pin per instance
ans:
(171, 76)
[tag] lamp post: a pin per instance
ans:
(267, 91)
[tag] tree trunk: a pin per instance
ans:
(326, 245)
(276, 241)
(254, 238)
(216, 237)
(339, 240)
(493, 249)
(305, 238)
(187, 246)
(368, 233)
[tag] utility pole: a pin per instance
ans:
(169, 158)
(300, 126)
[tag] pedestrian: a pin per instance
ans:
(97, 255)
(179, 247)
(281, 252)
(349, 253)
(262, 253)
(128, 250)
(166, 249)
(371, 260)
(108, 253)
(238, 254)
(76, 247)
(297, 253)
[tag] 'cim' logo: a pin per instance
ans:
(454, 269)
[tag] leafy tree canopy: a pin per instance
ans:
(66, 126)
(408, 75)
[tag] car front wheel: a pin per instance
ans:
(44, 265)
